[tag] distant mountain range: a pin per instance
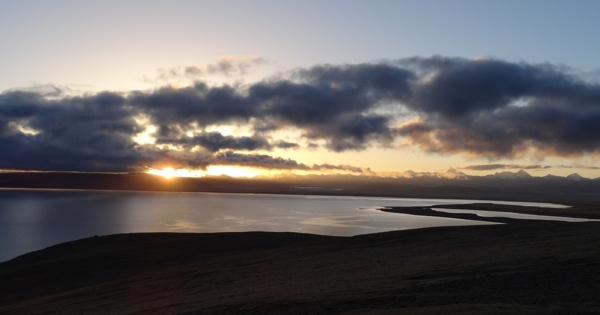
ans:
(508, 175)
(451, 184)
(455, 174)
(451, 173)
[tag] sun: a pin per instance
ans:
(167, 172)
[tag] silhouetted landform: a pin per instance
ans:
(428, 212)
(529, 268)
(541, 189)
(586, 212)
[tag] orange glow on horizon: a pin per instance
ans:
(212, 170)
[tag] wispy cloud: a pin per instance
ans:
(489, 167)
(583, 167)
(345, 168)
(226, 66)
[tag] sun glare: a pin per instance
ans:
(165, 172)
(233, 171)
(213, 170)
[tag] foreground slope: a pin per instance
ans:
(528, 268)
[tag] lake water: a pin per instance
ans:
(512, 215)
(33, 219)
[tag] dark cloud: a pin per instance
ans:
(329, 103)
(334, 103)
(198, 104)
(493, 108)
(257, 160)
(276, 163)
(77, 133)
(483, 108)
(454, 87)
(214, 141)
(286, 145)
(377, 81)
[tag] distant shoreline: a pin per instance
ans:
(557, 191)
(491, 201)
(577, 211)
(583, 212)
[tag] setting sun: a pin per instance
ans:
(168, 172)
(213, 170)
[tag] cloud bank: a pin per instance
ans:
(481, 108)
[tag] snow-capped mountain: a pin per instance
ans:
(521, 174)
(451, 173)
(575, 176)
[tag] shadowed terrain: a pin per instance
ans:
(527, 268)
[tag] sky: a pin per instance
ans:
(353, 87)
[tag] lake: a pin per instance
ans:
(34, 219)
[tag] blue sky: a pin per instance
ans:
(108, 44)
(121, 46)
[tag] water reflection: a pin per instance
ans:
(33, 219)
(513, 215)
